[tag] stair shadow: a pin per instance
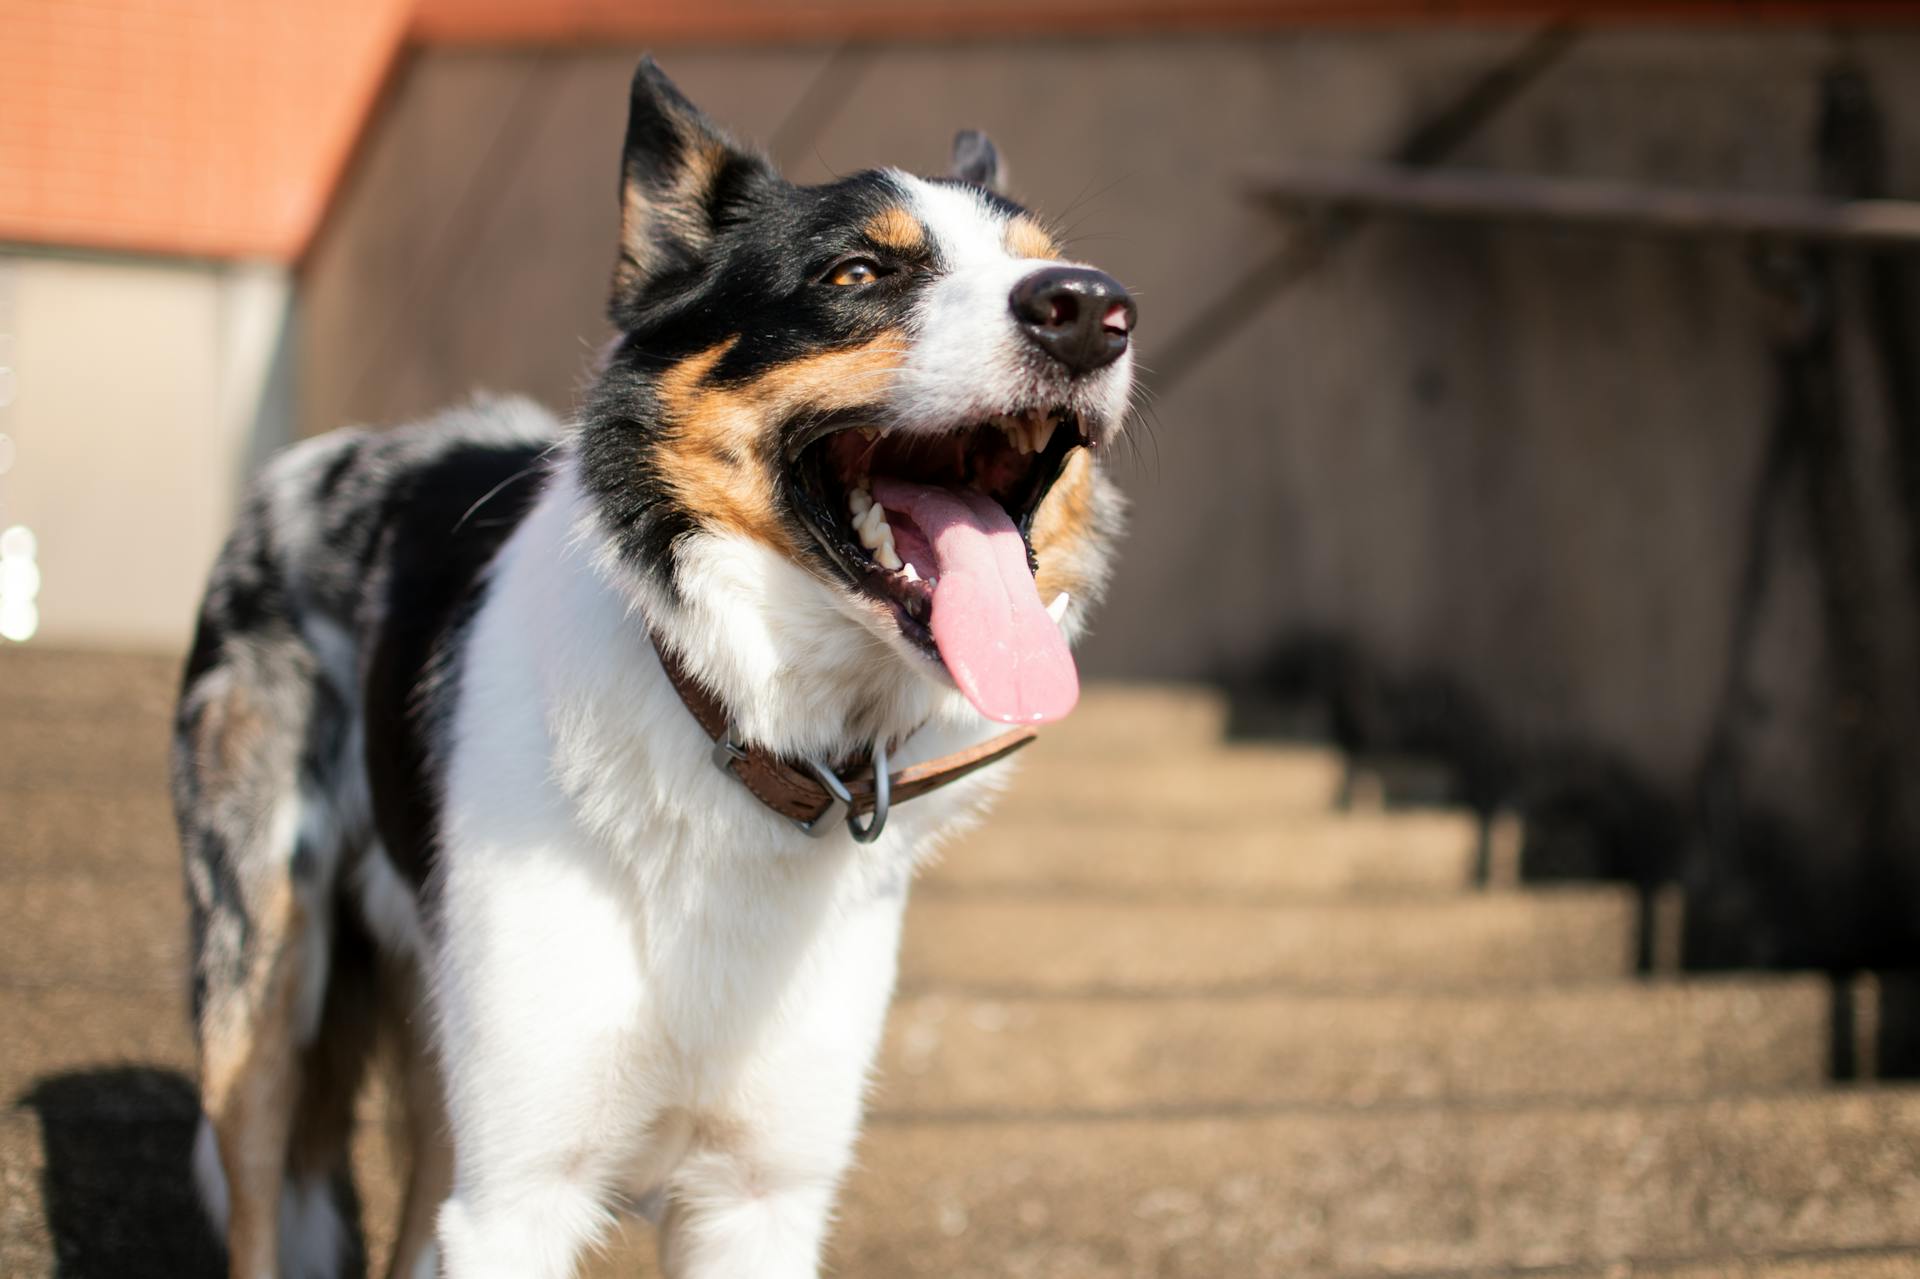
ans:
(1725, 881)
(117, 1187)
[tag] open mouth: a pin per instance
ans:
(937, 527)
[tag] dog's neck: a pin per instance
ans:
(798, 675)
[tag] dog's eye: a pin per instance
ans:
(855, 271)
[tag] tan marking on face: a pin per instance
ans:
(1026, 238)
(1063, 530)
(894, 228)
(723, 445)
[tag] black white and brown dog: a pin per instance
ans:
(440, 773)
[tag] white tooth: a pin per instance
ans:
(861, 501)
(1043, 434)
(1058, 609)
(886, 557)
(876, 530)
(912, 573)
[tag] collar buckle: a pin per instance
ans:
(727, 752)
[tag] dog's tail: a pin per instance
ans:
(265, 769)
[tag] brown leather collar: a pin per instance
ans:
(796, 793)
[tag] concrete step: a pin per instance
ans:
(93, 719)
(1406, 1192)
(89, 932)
(1069, 946)
(1209, 788)
(107, 749)
(102, 1190)
(1120, 718)
(81, 930)
(1217, 787)
(1609, 1189)
(98, 751)
(1113, 715)
(956, 1054)
(52, 1031)
(38, 682)
(1319, 854)
(1313, 855)
(1864, 1263)
(634, 1257)
(73, 828)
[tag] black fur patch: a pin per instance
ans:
(379, 541)
(443, 522)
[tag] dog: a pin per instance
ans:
(582, 770)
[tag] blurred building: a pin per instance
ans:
(1532, 496)
(162, 170)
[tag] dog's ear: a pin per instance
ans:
(679, 176)
(976, 159)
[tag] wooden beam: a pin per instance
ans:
(1583, 202)
(675, 21)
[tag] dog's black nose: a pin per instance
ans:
(1078, 316)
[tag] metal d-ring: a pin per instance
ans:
(843, 799)
(727, 752)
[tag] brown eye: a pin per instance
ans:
(854, 271)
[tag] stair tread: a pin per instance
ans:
(1245, 1193)
(1071, 945)
(1169, 1012)
(947, 1053)
(1222, 786)
(956, 1054)
(95, 718)
(90, 930)
(1459, 1189)
(1311, 855)
(69, 828)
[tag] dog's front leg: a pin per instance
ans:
(754, 1194)
(768, 1232)
(537, 996)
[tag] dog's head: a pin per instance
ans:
(894, 385)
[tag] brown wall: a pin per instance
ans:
(1522, 459)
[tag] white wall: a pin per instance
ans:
(142, 393)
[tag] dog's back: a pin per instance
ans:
(355, 555)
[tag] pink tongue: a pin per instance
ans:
(1002, 649)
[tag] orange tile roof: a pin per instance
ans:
(212, 127)
(220, 127)
(580, 21)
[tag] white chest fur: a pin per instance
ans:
(644, 979)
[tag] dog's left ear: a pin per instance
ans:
(976, 159)
(680, 174)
